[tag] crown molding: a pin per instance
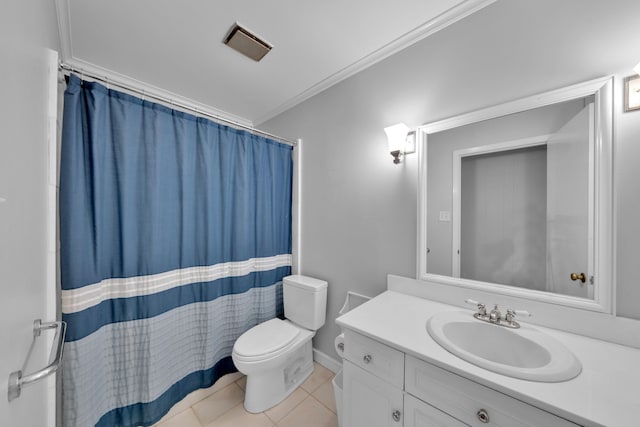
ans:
(440, 22)
(63, 13)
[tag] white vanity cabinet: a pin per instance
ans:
(373, 380)
(383, 387)
(374, 396)
(373, 402)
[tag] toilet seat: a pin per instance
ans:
(265, 340)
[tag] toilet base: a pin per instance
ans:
(266, 389)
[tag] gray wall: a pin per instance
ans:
(26, 29)
(359, 209)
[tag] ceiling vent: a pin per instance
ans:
(247, 43)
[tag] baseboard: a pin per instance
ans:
(327, 361)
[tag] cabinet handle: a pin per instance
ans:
(483, 416)
(396, 415)
(367, 358)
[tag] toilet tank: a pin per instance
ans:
(305, 301)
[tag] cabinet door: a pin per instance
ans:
(420, 414)
(369, 401)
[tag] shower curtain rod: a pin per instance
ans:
(68, 69)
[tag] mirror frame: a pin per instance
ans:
(604, 293)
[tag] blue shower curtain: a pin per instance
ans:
(175, 235)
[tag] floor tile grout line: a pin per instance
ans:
(309, 395)
(274, 423)
(326, 406)
(188, 408)
(322, 403)
(202, 424)
(289, 411)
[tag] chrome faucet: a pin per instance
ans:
(495, 317)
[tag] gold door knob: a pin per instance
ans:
(581, 277)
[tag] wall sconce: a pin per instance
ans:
(401, 141)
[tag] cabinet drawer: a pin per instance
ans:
(379, 359)
(463, 399)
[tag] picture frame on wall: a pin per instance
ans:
(632, 93)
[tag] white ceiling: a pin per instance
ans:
(174, 48)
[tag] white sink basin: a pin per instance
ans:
(524, 353)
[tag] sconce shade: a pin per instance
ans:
(637, 69)
(397, 136)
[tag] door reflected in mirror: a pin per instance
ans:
(513, 199)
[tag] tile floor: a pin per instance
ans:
(310, 405)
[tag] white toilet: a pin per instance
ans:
(276, 355)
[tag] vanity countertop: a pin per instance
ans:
(606, 393)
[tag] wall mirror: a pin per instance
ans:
(516, 199)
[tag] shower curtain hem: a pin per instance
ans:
(147, 414)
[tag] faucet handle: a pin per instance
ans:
(519, 312)
(511, 314)
(482, 309)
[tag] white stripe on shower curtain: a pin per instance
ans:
(75, 300)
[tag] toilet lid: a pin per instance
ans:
(265, 338)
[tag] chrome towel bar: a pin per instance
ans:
(17, 380)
